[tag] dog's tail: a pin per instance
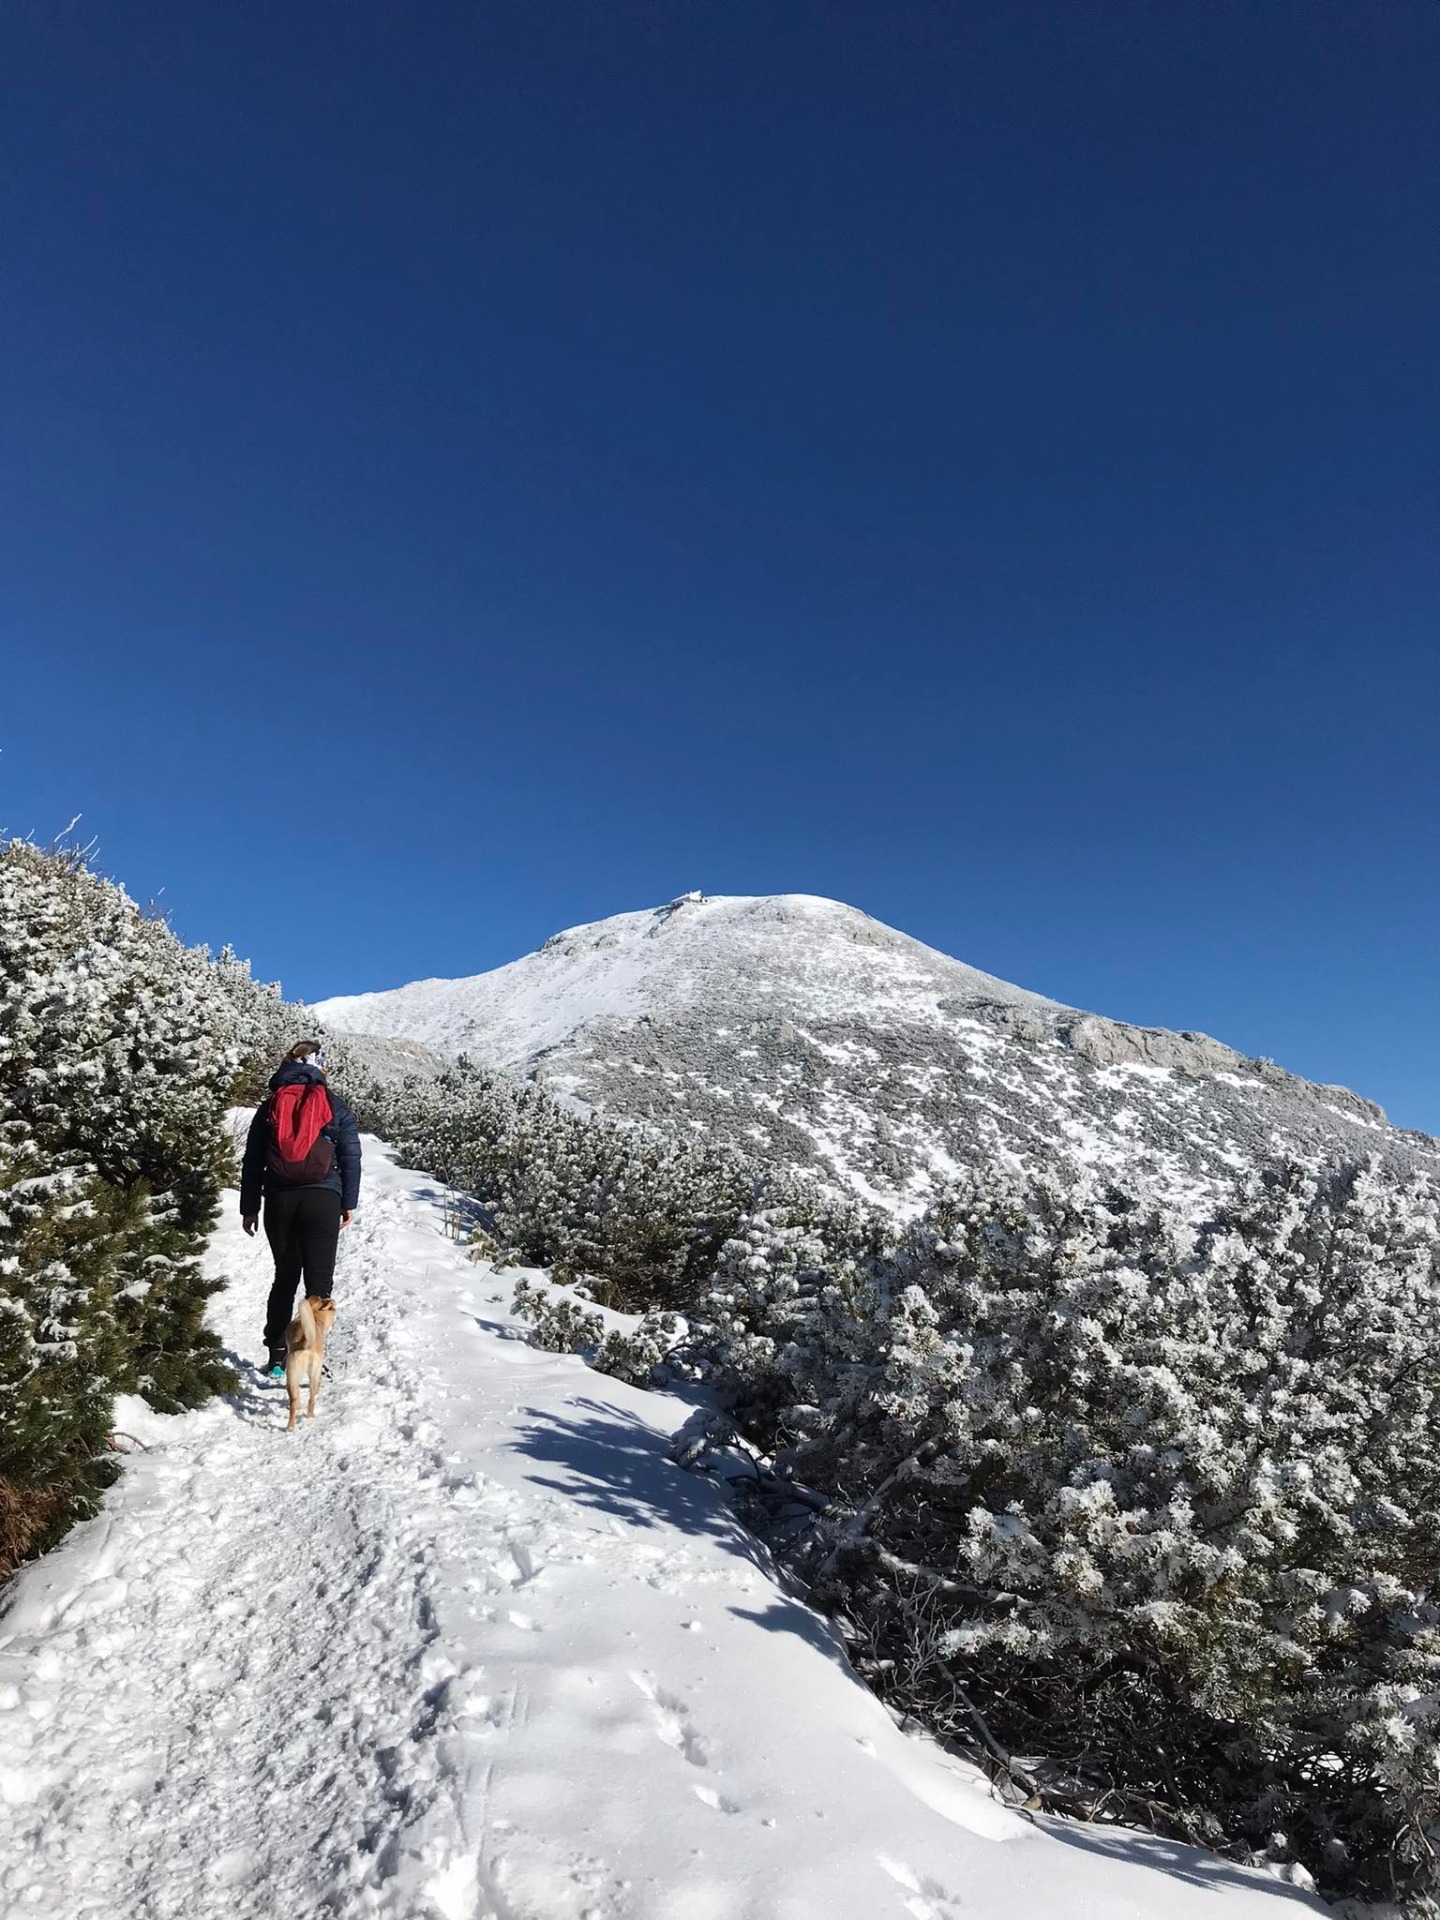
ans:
(307, 1322)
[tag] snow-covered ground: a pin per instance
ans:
(471, 1648)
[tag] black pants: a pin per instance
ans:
(302, 1225)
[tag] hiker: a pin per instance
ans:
(303, 1155)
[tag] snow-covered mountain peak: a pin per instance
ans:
(796, 952)
(802, 1030)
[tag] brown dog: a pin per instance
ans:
(305, 1352)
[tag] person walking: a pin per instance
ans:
(302, 1157)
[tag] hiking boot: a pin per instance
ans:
(275, 1364)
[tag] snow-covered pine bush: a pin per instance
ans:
(115, 1056)
(558, 1324)
(641, 1354)
(562, 1324)
(1156, 1507)
(62, 1231)
(640, 1219)
(263, 1026)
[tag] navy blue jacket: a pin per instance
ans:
(342, 1133)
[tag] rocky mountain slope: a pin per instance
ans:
(803, 1030)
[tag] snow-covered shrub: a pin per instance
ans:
(262, 1026)
(641, 1354)
(559, 1324)
(116, 1052)
(62, 1232)
(642, 1221)
(1157, 1507)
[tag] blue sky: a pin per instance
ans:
(470, 469)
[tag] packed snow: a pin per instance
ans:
(470, 1647)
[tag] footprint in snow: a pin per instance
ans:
(671, 1722)
(715, 1800)
(526, 1568)
(929, 1900)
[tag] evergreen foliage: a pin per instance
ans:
(642, 1221)
(634, 1353)
(1156, 1503)
(116, 1055)
(262, 1026)
(62, 1231)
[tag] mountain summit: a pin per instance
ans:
(801, 1029)
(814, 958)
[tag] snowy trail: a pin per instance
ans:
(470, 1648)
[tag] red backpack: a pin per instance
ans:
(297, 1154)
